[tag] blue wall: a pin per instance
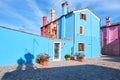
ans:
(65, 26)
(69, 26)
(59, 28)
(66, 46)
(62, 27)
(64, 10)
(95, 37)
(14, 45)
(91, 35)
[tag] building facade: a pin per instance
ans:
(73, 32)
(110, 38)
(80, 26)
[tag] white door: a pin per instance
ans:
(57, 51)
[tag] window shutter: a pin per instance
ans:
(81, 46)
(82, 16)
(81, 30)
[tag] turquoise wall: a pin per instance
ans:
(14, 45)
(90, 36)
(66, 48)
(69, 26)
(96, 47)
(69, 29)
(64, 10)
(65, 26)
(59, 28)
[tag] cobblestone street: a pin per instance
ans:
(104, 68)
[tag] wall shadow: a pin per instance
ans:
(25, 66)
(112, 48)
(112, 58)
(78, 72)
(72, 50)
(29, 57)
(21, 61)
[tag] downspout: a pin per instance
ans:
(74, 34)
(119, 40)
(91, 35)
(100, 37)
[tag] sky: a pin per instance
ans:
(27, 15)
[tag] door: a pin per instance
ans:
(56, 51)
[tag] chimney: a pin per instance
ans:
(44, 20)
(52, 14)
(64, 8)
(108, 21)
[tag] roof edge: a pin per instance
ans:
(88, 10)
(112, 25)
(57, 19)
(19, 31)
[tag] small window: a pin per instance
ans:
(81, 30)
(82, 16)
(80, 46)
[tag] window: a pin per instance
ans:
(82, 16)
(80, 46)
(81, 30)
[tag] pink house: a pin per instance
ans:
(110, 38)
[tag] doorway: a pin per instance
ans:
(57, 50)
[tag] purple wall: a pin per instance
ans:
(110, 40)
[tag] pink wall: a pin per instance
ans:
(110, 40)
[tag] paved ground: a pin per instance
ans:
(104, 68)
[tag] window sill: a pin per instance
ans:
(81, 51)
(80, 34)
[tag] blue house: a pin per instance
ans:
(75, 31)
(80, 26)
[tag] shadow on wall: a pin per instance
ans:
(111, 58)
(111, 49)
(28, 59)
(25, 64)
(78, 72)
(72, 50)
(20, 61)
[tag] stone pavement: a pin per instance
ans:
(104, 68)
